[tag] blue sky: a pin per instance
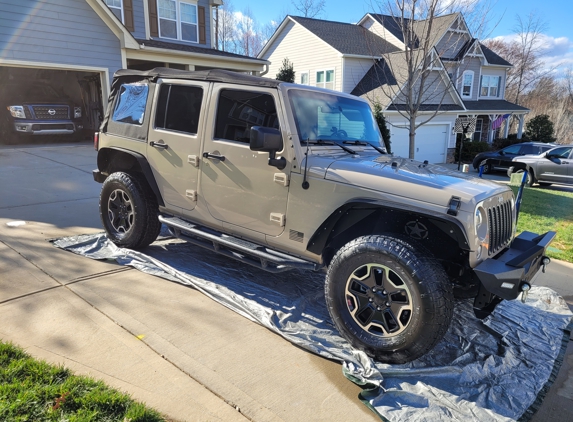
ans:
(557, 15)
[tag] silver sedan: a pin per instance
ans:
(553, 166)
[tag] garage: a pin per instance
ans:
(431, 142)
(48, 104)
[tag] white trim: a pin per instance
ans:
(179, 22)
(471, 85)
(499, 81)
(125, 37)
(122, 12)
(146, 19)
(307, 72)
(325, 82)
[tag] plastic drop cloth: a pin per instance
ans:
(497, 369)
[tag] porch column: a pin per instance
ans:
(490, 131)
(520, 126)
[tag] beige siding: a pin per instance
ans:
(306, 52)
(354, 71)
(375, 27)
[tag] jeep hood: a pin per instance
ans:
(408, 178)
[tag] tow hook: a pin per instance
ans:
(544, 262)
(524, 292)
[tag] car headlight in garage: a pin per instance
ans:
(481, 229)
(77, 112)
(17, 111)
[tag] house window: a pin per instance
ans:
(478, 131)
(116, 7)
(304, 78)
(325, 79)
(178, 20)
(467, 83)
(490, 86)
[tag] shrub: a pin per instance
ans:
(470, 149)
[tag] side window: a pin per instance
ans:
(528, 149)
(238, 111)
(561, 152)
(130, 105)
(514, 149)
(178, 108)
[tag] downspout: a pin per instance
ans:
(265, 71)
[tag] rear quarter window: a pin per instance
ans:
(130, 105)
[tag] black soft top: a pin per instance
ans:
(214, 75)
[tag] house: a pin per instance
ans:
(75, 46)
(367, 59)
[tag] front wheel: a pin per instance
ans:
(128, 211)
(389, 298)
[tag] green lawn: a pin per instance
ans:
(544, 209)
(32, 390)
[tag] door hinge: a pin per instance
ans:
(281, 179)
(193, 159)
(277, 217)
(191, 194)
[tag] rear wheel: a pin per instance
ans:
(128, 211)
(389, 298)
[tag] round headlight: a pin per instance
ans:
(480, 221)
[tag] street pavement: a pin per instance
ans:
(165, 344)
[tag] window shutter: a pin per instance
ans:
(202, 29)
(499, 88)
(153, 26)
(128, 15)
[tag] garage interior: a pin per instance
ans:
(23, 84)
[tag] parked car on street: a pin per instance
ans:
(553, 166)
(502, 159)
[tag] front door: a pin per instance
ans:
(174, 141)
(556, 166)
(237, 184)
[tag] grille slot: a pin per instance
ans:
(43, 112)
(500, 226)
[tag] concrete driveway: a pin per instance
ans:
(121, 326)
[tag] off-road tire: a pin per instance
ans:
(430, 293)
(139, 226)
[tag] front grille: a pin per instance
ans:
(500, 226)
(27, 112)
(51, 112)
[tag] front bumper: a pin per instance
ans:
(506, 274)
(42, 127)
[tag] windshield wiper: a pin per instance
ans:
(380, 150)
(330, 142)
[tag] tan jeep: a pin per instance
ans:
(285, 176)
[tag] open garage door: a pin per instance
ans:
(38, 104)
(431, 142)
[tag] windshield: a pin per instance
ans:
(322, 116)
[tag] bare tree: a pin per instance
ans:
(309, 8)
(227, 24)
(248, 35)
(412, 76)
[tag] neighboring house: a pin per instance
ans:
(367, 59)
(64, 41)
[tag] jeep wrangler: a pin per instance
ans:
(285, 176)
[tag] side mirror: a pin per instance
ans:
(268, 139)
(501, 153)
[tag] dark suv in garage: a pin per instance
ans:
(502, 159)
(43, 112)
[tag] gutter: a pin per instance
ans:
(181, 53)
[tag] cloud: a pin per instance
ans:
(556, 52)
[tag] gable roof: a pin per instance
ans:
(394, 25)
(347, 38)
(493, 58)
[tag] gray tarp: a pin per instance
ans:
(496, 369)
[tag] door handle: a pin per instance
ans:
(213, 156)
(160, 144)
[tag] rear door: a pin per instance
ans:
(174, 141)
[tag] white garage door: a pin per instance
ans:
(431, 143)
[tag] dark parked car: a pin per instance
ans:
(553, 166)
(502, 159)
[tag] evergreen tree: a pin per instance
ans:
(540, 129)
(286, 72)
(381, 121)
